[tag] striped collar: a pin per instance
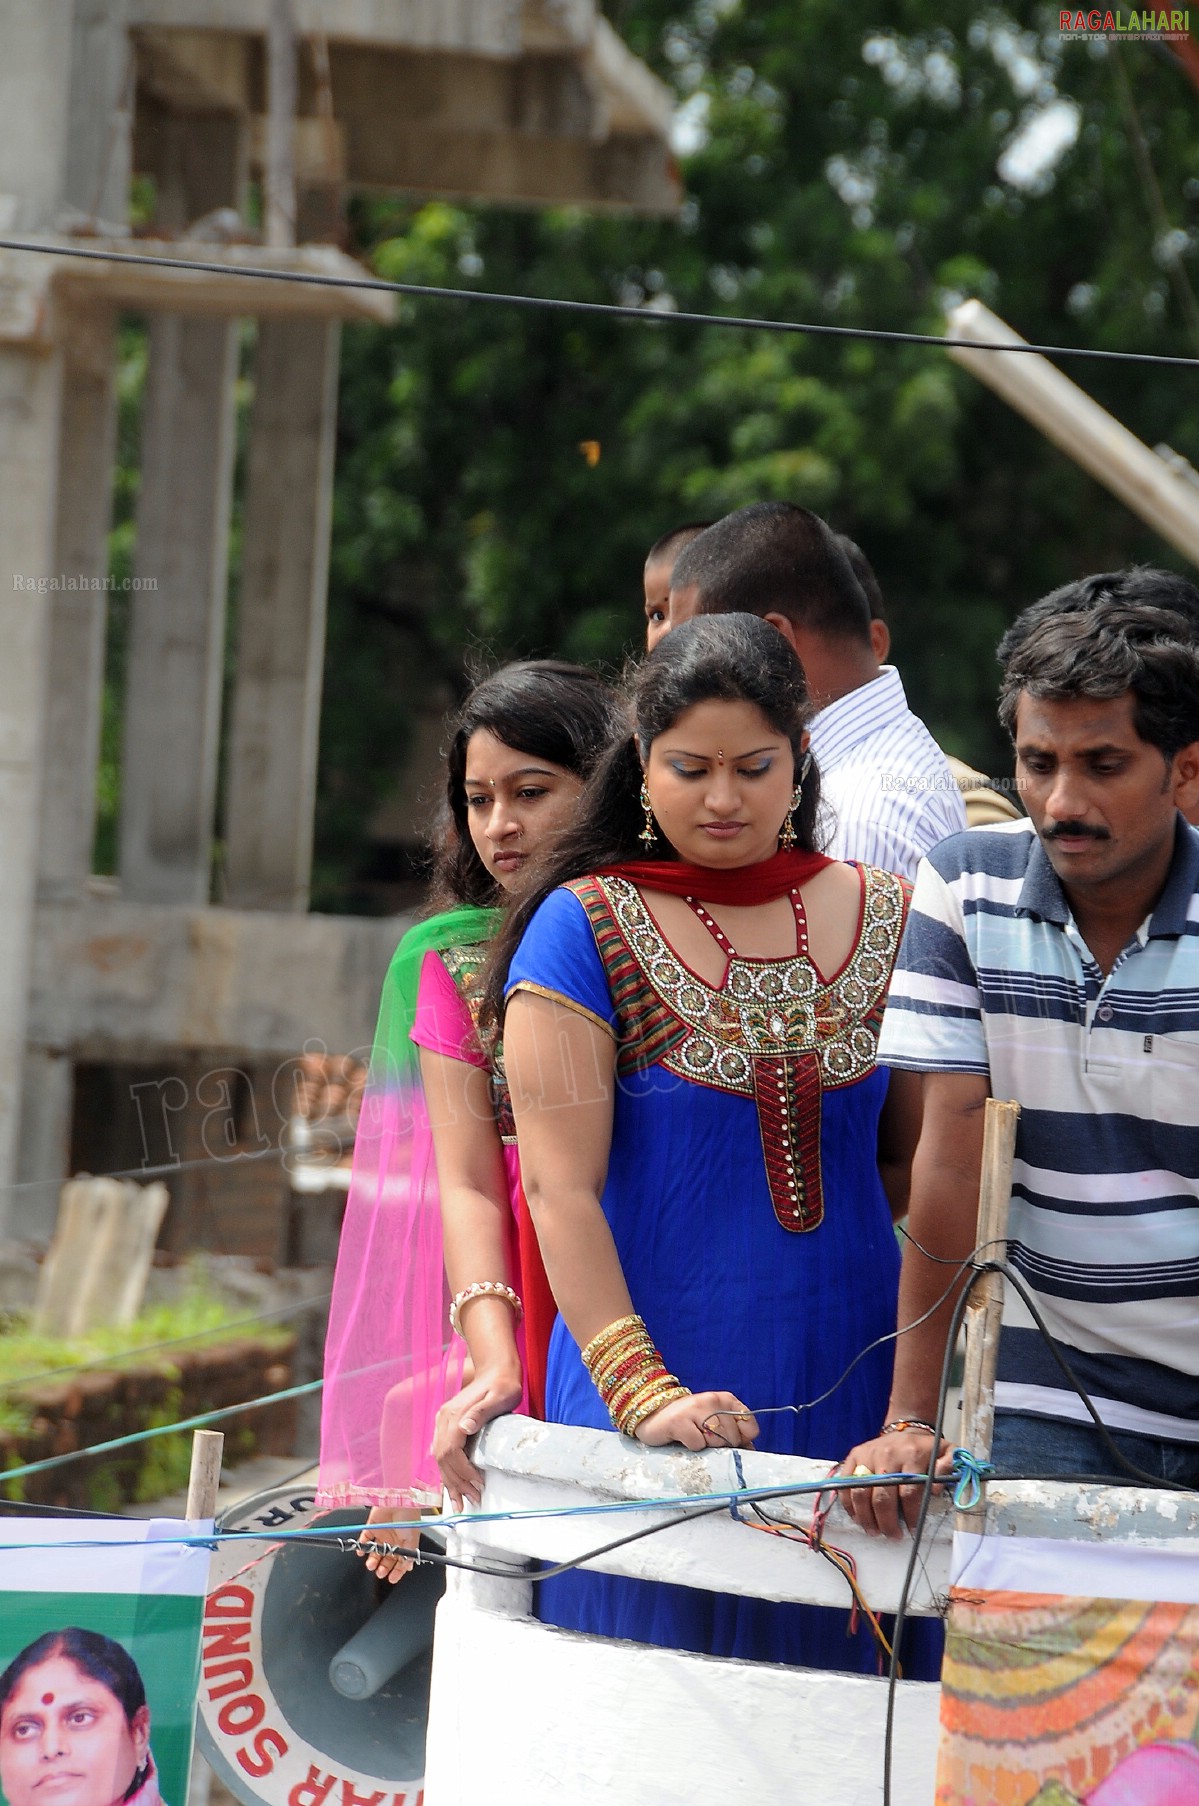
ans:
(1041, 893)
(857, 715)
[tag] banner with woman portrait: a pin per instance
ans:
(1071, 1675)
(99, 1660)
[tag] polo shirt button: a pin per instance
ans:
(1105, 1012)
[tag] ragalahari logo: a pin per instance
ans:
(1148, 23)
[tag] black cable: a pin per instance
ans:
(930, 1480)
(167, 1167)
(421, 1557)
(1141, 1475)
(601, 309)
(1138, 1473)
(892, 1335)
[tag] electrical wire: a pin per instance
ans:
(840, 1559)
(165, 1168)
(115, 1443)
(917, 1529)
(892, 1335)
(931, 1479)
(608, 310)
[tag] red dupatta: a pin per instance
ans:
(739, 886)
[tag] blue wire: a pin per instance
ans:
(968, 1471)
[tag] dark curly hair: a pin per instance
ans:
(562, 713)
(711, 658)
(1101, 648)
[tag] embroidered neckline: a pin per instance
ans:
(773, 1009)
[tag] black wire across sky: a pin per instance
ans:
(606, 310)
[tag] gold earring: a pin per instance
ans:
(787, 837)
(649, 833)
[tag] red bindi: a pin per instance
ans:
(47, 1699)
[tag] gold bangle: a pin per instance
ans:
(666, 1394)
(606, 1337)
(609, 1363)
(629, 1373)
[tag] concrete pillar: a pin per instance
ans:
(177, 622)
(281, 635)
(102, 87)
(77, 616)
(44, 1144)
(95, 184)
(34, 70)
(35, 59)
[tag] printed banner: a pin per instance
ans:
(1082, 1698)
(99, 1660)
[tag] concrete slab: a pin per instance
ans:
(29, 283)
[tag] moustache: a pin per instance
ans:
(1075, 830)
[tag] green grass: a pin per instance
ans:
(199, 1315)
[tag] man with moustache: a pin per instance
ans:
(1056, 962)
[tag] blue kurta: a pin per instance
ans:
(735, 1300)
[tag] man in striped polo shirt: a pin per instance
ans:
(888, 791)
(1056, 962)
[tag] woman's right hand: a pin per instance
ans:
(702, 1420)
(387, 1559)
(492, 1392)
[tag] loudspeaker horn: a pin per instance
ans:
(314, 1684)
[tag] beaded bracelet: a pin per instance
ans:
(483, 1288)
(630, 1374)
(907, 1423)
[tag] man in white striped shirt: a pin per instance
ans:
(889, 794)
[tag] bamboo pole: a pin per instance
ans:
(985, 1309)
(1067, 415)
(207, 1449)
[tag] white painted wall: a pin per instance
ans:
(533, 1716)
(525, 1713)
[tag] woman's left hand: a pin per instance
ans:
(490, 1394)
(701, 1420)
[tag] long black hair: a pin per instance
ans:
(711, 658)
(562, 713)
(101, 1658)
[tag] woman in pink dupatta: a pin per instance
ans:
(435, 1211)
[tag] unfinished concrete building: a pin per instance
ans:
(174, 1016)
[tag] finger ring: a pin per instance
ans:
(860, 1470)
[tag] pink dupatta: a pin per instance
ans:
(390, 1361)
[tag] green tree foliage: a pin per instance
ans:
(850, 167)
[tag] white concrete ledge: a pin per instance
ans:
(533, 1466)
(1075, 1512)
(524, 1712)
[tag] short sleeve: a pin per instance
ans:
(443, 1022)
(933, 1020)
(558, 958)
